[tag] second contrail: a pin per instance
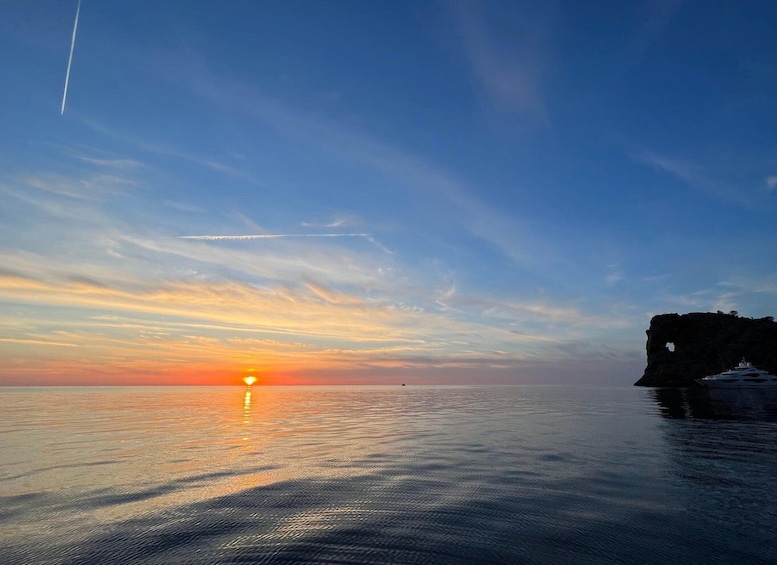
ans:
(70, 59)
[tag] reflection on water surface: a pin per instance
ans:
(717, 404)
(385, 474)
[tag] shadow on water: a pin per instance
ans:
(722, 449)
(444, 476)
(717, 404)
(333, 521)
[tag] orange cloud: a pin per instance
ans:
(198, 332)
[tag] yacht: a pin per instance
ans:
(744, 375)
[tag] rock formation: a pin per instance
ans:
(681, 348)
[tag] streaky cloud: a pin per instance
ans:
(335, 224)
(692, 175)
(508, 72)
(36, 342)
(271, 236)
(505, 233)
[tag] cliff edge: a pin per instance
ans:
(681, 348)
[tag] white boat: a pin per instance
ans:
(744, 375)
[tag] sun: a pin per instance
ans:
(249, 380)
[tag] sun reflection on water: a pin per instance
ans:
(247, 407)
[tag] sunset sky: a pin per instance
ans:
(435, 192)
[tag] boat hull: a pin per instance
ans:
(711, 383)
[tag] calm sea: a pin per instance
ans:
(387, 475)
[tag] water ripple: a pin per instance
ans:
(383, 475)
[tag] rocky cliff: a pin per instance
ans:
(681, 348)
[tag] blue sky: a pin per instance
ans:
(454, 192)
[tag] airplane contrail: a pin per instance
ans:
(271, 236)
(70, 59)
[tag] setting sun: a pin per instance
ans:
(249, 380)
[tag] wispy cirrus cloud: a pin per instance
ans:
(32, 341)
(184, 207)
(88, 186)
(337, 223)
(119, 269)
(160, 150)
(700, 177)
(455, 201)
(304, 328)
(740, 291)
(278, 311)
(270, 236)
(507, 66)
(123, 164)
(292, 326)
(686, 171)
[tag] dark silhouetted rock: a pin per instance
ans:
(681, 348)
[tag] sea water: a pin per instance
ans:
(412, 474)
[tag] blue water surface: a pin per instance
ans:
(410, 474)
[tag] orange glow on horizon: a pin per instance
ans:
(135, 332)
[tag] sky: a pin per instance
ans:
(421, 192)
